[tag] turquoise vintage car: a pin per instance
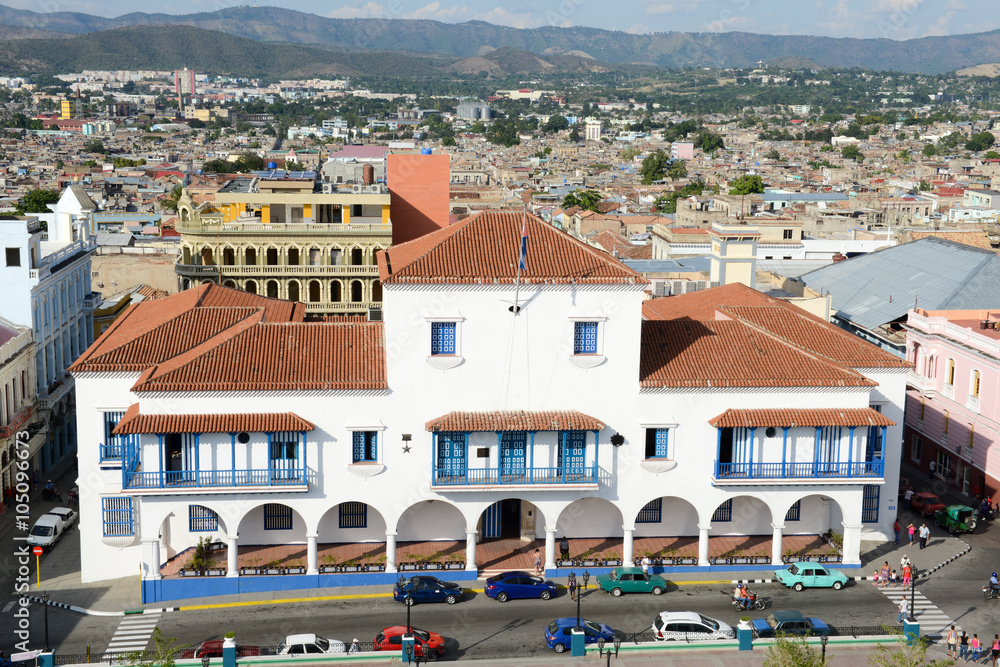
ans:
(811, 575)
(631, 580)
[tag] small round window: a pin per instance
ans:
(243, 438)
(770, 432)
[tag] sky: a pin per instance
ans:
(892, 19)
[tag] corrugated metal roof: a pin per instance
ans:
(871, 290)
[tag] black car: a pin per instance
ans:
(427, 589)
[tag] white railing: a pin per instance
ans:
(338, 307)
(232, 271)
(373, 227)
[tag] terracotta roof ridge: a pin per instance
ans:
(102, 339)
(186, 357)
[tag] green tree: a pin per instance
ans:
(585, 199)
(654, 167)
(924, 186)
(677, 170)
(980, 142)
(929, 150)
(555, 123)
(630, 153)
(992, 155)
(503, 133)
(773, 154)
(170, 203)
(162, 654)
(852, 152)
(710, 142)
(477, 127)
(908, 652)
(196, 124)
(95, 146)
(667, 203)
(574, 134)
(788, 651)
(747, 184)
(37, 201)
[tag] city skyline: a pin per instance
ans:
(890, 19)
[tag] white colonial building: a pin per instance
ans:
(489, 403)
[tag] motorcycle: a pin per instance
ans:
(73, 496)
(989, 592)
(51, 494)
(751, 601)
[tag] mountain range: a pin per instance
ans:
(475, 39)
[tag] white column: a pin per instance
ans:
(470, 550)
(628, 559)
(550, 548)
(390, 552)
(151, 558)
(233, 557)
(852, 544)
(776, 544)
(703, 545)
(312, 554)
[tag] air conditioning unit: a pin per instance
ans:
(676, 287)
(659, 288)
(327, 188)
(701, 285)
(374, 314)
(357, 189)
(374, 189)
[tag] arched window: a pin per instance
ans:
(251, 287)
(974, 384)
(315, 291)
(272, 257)
(949, 377)
(206, 257)
(272, 289)
(228, 257)
(357, 291)
(293, 256)
(336, 295)
(186, 255)
(335, 257)
(250, 257)
(357, 257)
(293, 290)
(230, 283)
(377, 291)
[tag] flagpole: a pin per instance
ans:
(521, 258)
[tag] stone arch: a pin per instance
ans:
(174, 526)
(250, 287)
(272, 289)
(293, 290)
(511, 518)
(250, 256)
(430, 520)
(590, 517)
(336, 291)
(816, 512)
(746, 515)
(377, 291)
(340, 523)
(315, 291)
(664, 516)
(251, 530)
(230, 283)
(357, 291)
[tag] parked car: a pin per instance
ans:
(67, 515)
(48, 529)
(559, 632)
(789, 623)
(926, 503)
(518, 584)
(310, 643)
(811, 575)
(687, 626)
(427, 589)
(631, 580)
(426, 644)
(213, 649)
(956, 518)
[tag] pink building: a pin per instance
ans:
(953, 398)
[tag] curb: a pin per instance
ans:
(937, 567)
(95, 612)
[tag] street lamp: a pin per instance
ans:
(579, 594)
(45, 603)
(913, 590)
(411, 655)
(600, 647)
(408, 601)
(823, 640)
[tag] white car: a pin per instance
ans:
(67, 515)
(46, 531)
(310, 643)
(687, 626)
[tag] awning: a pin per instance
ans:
(792, 417)
(517, 420)
(267, 422)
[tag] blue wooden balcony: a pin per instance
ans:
(799, 471)
(214, 479)
(514, 477)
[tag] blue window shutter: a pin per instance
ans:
(662, 439)
(359, 446)
(585, 338)
(442, 338)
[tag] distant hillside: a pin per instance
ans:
(476, 38)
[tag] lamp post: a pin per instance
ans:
(408, 601)
(411, 654)
(600, 647)
(45, 603)
(205, 661)
(823, 640)
(913, 590)
(579, 594)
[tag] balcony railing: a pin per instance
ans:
(213, 478)
(370, 225)
(799, 470)
(318, 270)
(924, 385)
(521, 476)
(111, 453)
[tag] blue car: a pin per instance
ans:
(559, 632)
(518, 584)
(789, 623)
(427, 589)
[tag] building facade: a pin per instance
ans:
(289, 236)
(17, 402)
(953, 399)
(490, 403)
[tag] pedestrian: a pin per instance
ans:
(645, 564)
(571, 585)
(904, 606)
(904, 561)
(895, 529)
(995, 649)
(952, 640)
(893, 579)
(564, 548)
(932, 467)
(538, 563)
(963, 646)
(907, 576)
(355, 648)
(925, 532)
(977, 648)
(875, 579)
(911, 530)
(907, 496)
(883, 575)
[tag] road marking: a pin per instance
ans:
(8, 606)
(133, 633)
(933, 622)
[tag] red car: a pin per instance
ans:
(428, 644)
(213, 649)
(926, 503)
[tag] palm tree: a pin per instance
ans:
(170, 203)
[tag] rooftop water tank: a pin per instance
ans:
(425, 151)
(272, 165)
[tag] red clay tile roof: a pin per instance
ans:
(520, 420)
(484, 249)
(780, 319)
(686, 353)
(133, 423)
(792, 417)
(267, 357)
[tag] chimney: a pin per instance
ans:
(368, 174)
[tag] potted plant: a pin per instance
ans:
(433, 562)
(352, 565)
(740, 557)
(274, 567)
(295, 567)
(760, 556)
(587, 559)
(455, 565)
(229, 641)
(612, 560)
(252, 567)
(329, 564)
(374, 563)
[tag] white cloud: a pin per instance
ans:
(437, 11)
(367, 10)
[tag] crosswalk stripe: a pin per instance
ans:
(934, 621)
(133, 633)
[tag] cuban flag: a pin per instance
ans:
(523, 260)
